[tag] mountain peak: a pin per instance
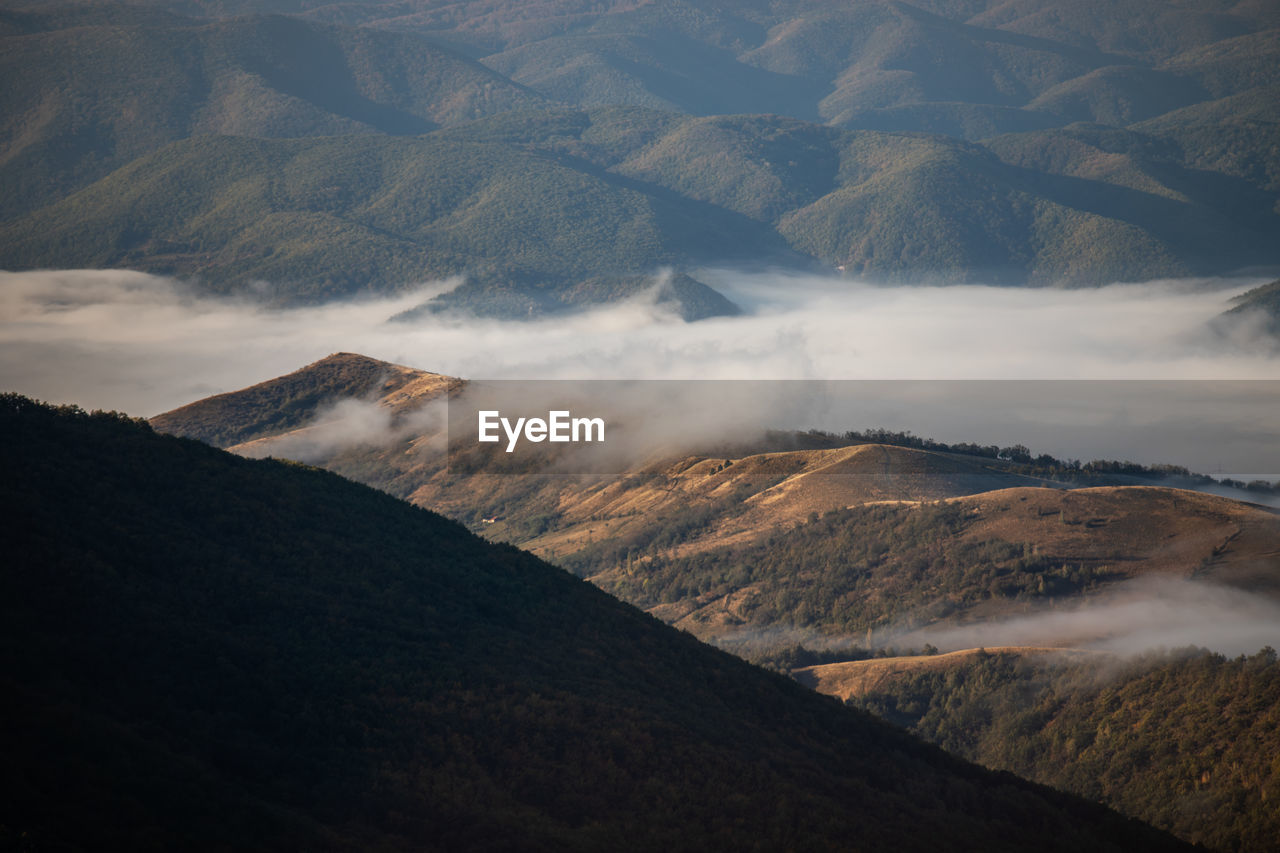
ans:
(287, 402)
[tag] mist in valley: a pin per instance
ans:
(1131, 618)
(145, 344)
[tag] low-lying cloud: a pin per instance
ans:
(1135, 617)
(352, 424)
(145, 344)
(1140, 615)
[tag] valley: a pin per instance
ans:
(925, 352)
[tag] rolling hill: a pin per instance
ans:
(886, 570)
(872, 64)
(326, 217)
(853, 680)
(762, 489)
(839, 539)
(206, 651)
(1262, 302)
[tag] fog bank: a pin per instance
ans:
(144, 344)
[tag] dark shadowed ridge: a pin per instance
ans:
(202, 651)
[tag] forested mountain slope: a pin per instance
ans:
(1184, 740)
(1016, 143)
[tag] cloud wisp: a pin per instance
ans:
(1144, 614)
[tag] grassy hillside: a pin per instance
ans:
(994, 554)
(1186, 741)
(693, 502)
(288, 402)
(203, 651)
(700, 502)
(840, 537)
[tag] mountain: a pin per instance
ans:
(703, 502)
(549, 210)
(766, 487)
(90, 88)
(1184, 740)
(326, 217)
(204, 651)
(889, 569)
(290, 402)
(970, 68)
(975, 141)
(835, 539)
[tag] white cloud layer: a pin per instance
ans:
(143, 344)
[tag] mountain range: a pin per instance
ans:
(208, 652)
(552, 155)
(745, 639)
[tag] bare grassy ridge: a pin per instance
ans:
(290, 402)
(759, 494)
(963, 559)
(835, 539)
(849, 680)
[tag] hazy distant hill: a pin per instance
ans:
(534, 207)
(202, 651)
(88, 89)
(969, 68)
(320, 218)
(1132, 140)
